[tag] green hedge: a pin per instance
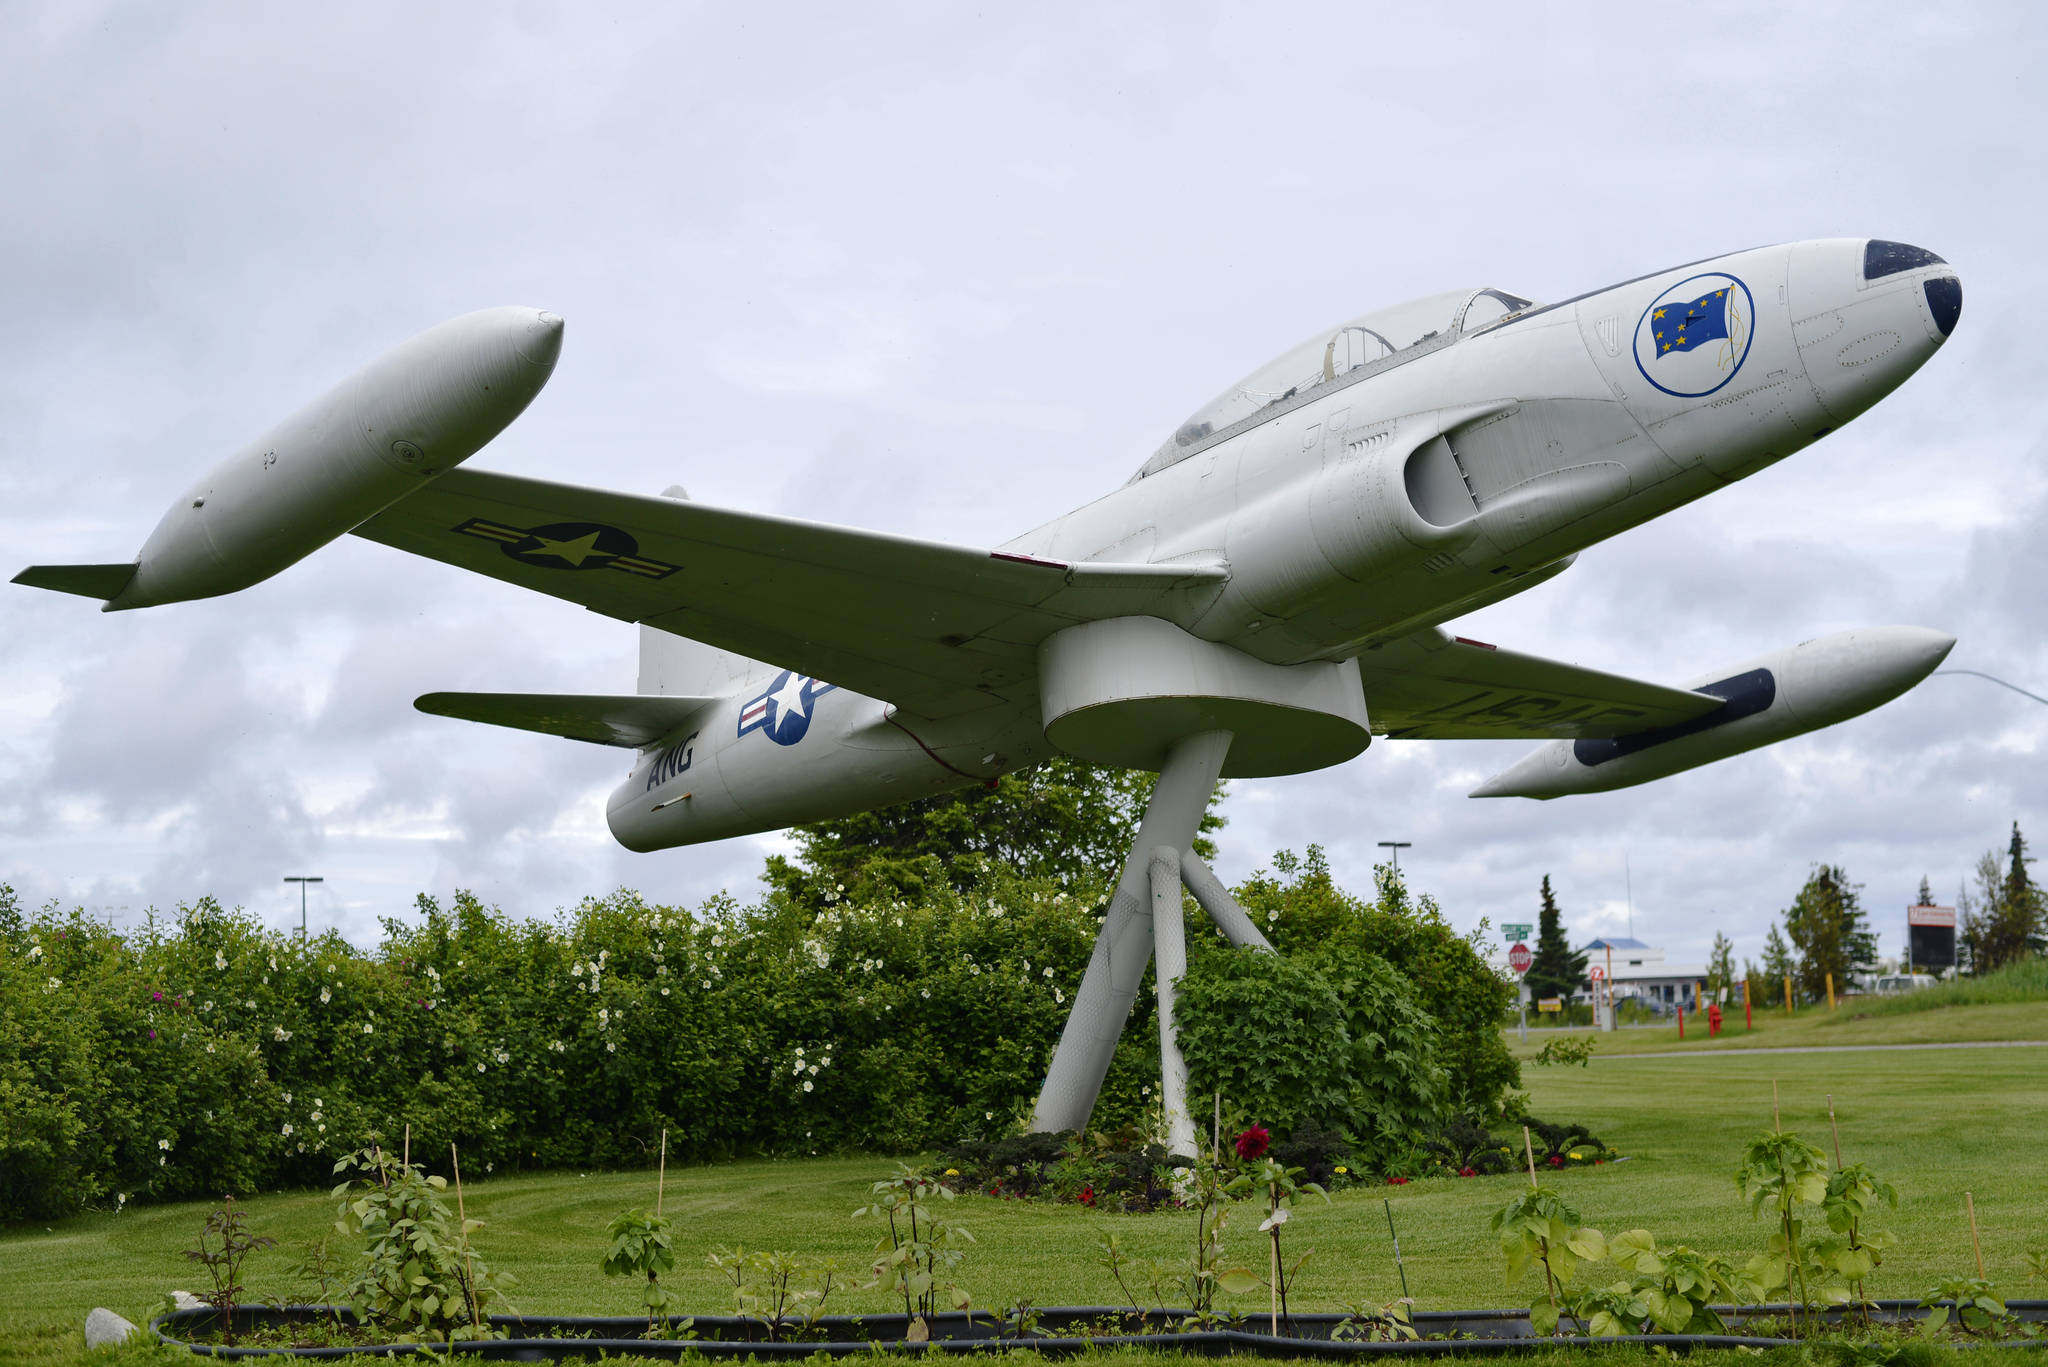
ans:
(204, 1054)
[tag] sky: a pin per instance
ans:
(951, 272)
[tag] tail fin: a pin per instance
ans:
(676, 665)
(87, 581)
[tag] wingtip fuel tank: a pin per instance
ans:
(422, 408)
(1771, 698)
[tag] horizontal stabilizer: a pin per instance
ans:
(87, 581)
(635, 720)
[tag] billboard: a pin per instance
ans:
(1931, 937)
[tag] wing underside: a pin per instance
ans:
(939, 629)
(1434, 686)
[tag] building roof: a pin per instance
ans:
(1617, 943)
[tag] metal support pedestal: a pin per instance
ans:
(1145, 913)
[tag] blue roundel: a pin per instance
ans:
(1695, 335)
(783, 712)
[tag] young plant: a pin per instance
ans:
(1367, 1323)
(1282, 1188)
(1207, 1197)
(224, 1264)
(419, 1270)
(642, 1246)
(1980, 1311)
(1539, 1226)
(1784, 1172)
(321, 1269)
(1566, 1051)
(921, 1248)
(1854, 1249)
(1672, 1291)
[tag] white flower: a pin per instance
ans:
(717, 941)
(558, 1046)
(479, 1067)
(1274, 1221)
(1048, 972)
(287, 1098)
(208, 1006)
(1059, 998)
(369, 1029)
(159, 1160)
(664, 992)
(287, 1130)
(988, 1115)
(611, 1048)
(220, 960)
(807, 1085)
(604, 1016)
(661, 970)
(490, 1167)
(35, 951)
(707, 984)
(925, 992)
(280, 1034)
(209, 1046)
(163, 1143)
(799, 1051)
(273, 963)
(326, 995)
(825, 1062)
(250, 1004)
(576, 970)
(323, 1129)
(53, 984)
(502, 1057)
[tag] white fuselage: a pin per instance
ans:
(1456, 471)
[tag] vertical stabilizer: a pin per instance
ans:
(678, 666)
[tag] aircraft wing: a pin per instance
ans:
(935, 628)
(634, 720)
(1435, 686)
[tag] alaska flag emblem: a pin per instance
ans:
(1695, 334)
(1681, 327)
(784, 710)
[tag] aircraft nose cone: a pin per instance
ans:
(1868, 313)
(541, 339)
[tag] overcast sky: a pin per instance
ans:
(951, 273)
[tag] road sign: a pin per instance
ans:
(1551, 1004)
(1516, 932)
(1598, 973)
(1519, 958)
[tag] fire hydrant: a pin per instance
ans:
(1713, 1020)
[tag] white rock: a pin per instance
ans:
(104, 1328)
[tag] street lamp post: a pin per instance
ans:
(302, 880)
(1396, 846)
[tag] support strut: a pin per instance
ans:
(1124, 945)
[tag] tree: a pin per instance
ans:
(1926, 892)
(1721, 964)
(1778, 961)
(1826, 925)
(1554, 970)
(1064, 820)
(2004, 922)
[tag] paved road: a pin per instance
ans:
(1731, 1052)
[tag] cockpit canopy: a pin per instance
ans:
(1333, 357)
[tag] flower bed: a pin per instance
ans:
(1056, 1331)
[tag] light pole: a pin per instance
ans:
(1396, 846)
(302, 880)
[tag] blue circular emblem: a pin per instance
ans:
(785, 709)
(1695, 335)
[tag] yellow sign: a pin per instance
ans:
(1551, 1004)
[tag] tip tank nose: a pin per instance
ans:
(541, 338)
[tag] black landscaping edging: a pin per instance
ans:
(545, 1338)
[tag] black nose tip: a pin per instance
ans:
(1889, 258)
(1945, 301)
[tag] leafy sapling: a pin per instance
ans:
(641, 1245)
(1854, 1249)
(1282, 1188)
(921, 1248)
(223, 1264)
(1540, 1227)
(1784, 1172)
(419, 1270)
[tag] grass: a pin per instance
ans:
(2011, 1004)
(1935, 1123)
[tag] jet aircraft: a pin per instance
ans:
(1264, 595)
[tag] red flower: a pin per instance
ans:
(1468, 1172)
(1397, 1181)
(1087, 1197)
(1556, 1160)
(1253, 1143)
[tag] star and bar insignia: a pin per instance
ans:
(570, 546)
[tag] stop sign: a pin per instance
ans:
(1519, 958)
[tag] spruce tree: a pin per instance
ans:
(1825, 923)
(1554, 971)
(1778, 962)
(1721, 964)
(1926, 892)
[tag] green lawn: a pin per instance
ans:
(1854, 1023)
(1936, 1123)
